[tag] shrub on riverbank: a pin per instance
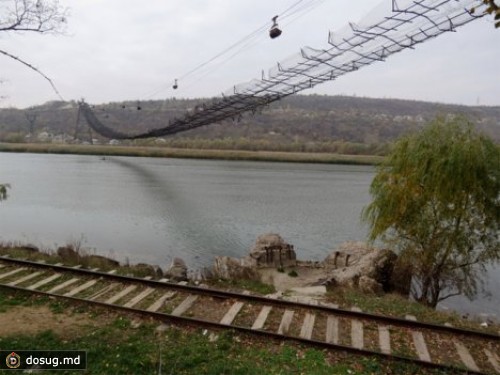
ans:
(73, 255)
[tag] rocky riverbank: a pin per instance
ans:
(353, 265)
(352, 275)
(271, 260)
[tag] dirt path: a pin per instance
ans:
(27, 320)
(306, 276)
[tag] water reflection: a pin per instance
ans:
(151, 210)
(182, 219)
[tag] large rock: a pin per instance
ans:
(271, 250)
(228, 268)
(355, 264)
(177, 270)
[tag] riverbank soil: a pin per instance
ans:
(31, 320)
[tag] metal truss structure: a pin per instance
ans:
(355, 46)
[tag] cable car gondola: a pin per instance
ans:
(274, 32)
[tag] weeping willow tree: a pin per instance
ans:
(494, 10)
(436, 200)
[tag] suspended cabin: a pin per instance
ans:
(274, 32)
(175, 86)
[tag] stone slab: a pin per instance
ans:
(103, 291)
(81, 288)
(419, 342)
(25, 278)
(465, 356)
(185, 305)
(357, 339)
(44, 281)
(332, 330)
(262, 317)
(160, 301)
(493, 359)
(121, 294)
(231, 314)
(138, 298)
(384, 339)
(286, 320)
(307, 326)
(63, 285)
(10, 273)
(421, 346)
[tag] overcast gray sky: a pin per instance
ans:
(117, 50)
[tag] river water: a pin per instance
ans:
(151, 210)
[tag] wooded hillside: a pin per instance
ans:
(297, 123)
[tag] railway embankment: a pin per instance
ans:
(132, 318)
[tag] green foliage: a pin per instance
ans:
(494, 10)
(3, 191)
(245, 284)
(437, 200)
(116, 346)
(8, 300)
(293, 273)
(399, 306)
(113, 350)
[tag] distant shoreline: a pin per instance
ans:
(167, 152)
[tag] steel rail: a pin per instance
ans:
(400, 322)
(275, 336)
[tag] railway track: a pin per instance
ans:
(324, 326)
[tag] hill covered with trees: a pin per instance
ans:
(297, 123)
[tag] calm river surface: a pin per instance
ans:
(151, 210)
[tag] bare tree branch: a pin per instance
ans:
(440, 299)
(35, 69)
(42, 16)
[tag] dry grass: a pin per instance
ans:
(165, 152)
